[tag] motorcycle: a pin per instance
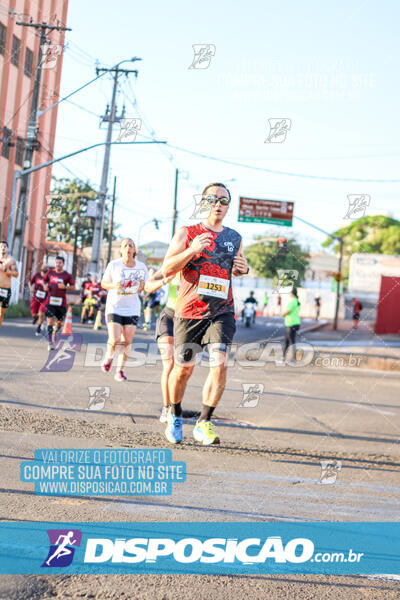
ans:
(248, 313)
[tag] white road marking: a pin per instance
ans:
(371, 408)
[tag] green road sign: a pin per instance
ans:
(274, 212)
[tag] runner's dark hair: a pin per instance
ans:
(4, 242)
(60, 258)
(294, 292)
(216, 185)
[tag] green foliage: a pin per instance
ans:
(373, 235)
(265, 258)
(61, 228)
(17, 311)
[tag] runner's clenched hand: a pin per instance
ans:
(240, 265)
(200, 242)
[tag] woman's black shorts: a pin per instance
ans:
(113, 318)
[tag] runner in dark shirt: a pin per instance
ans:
(55, 283)
(39, 297)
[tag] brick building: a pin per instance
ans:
(19, 49)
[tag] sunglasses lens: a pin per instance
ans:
(214, 200)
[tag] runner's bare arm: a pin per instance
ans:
(110, 286)
(240, 265)
(156, 282)
(178, 255)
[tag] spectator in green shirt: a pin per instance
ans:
(292, 322)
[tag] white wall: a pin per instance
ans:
(306, 299)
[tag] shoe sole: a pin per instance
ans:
(172, 441)
(216, 441)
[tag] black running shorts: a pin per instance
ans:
(165, 323)
(191, 335)
(113, 318)
(5, 295)
(56, 312)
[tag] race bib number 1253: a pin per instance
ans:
(213, 286)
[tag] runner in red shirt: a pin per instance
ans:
(55, 283)
(39, 295)
(207, 255)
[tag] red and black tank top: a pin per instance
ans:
(205, 290)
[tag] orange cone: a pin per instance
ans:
(97, 322)
(67, 329)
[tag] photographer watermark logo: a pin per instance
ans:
(98, 395)
(329, 471)
(278, 129)
(50, 55)
(129, 129)
(203, 54)
(357, 206)
(202, 207)
(61, 357)
(286, 281)
(251, 395)
(55, 205)
(63, 543)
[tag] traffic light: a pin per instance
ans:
(156, 223)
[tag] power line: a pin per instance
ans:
(277, 172)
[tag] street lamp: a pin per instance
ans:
(18, 174)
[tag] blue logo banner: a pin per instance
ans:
(208, 548)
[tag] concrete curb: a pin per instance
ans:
(349, 358)
(307, 329)
(352, 358)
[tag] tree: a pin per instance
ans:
(372, 235)
(62, 214)
(267, 257)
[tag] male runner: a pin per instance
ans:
(55, 283)
(38, 301)
(207, 254)
(8, 269)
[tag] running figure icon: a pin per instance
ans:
(62, 549)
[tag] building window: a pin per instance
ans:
(16, 46)
(3, 33)
(28, 63)
(5, 144)
(19, 153)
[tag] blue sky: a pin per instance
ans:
(331, 68)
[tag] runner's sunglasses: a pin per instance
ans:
(214, 199)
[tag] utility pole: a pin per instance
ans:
(111, 225)
(175, 213)
(112, 118)
(338, 283)
(32, 143)
(77, 223)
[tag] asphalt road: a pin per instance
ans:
(267, 468)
